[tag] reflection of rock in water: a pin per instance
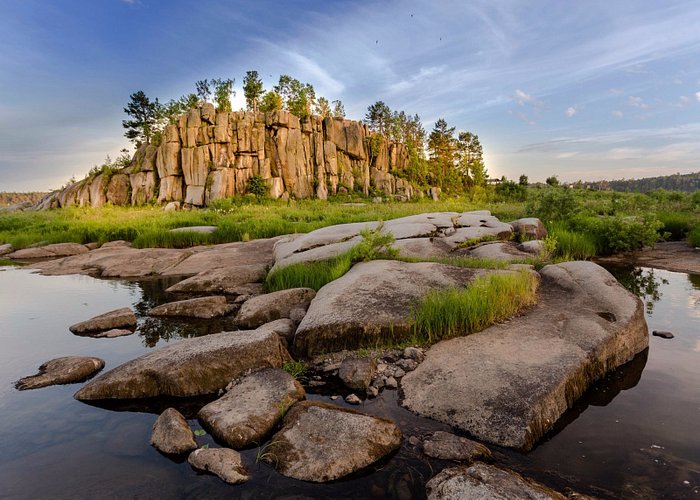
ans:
(187, 406)
(642, 282)
(694, 280)
(604, 391)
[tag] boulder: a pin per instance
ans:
(119, 318)
(499, 251)
(191, 367)
(49, 251)
(384, 294)
(247, 413)
(466, 235)
(172, 434)
(271, 306)
(66, 370)
(5, 249)
(201, 307)
(357, 373)
(222, 462)
(447, 446)
(321, 442)
(172, 206)
(529, 228)
(538, 364)
(320, 237)
(480, 481)
(243, 279)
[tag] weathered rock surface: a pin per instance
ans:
(65, 370)
(272, 306)
(252, 407)
(509, 383)
(123, 318)
(190, 367)
(222, 462)
(383, 295)
(535, 247)
(194, 229)
(201, 307)
(529, 228)
(499, 251)
(480, 481)
(357, 373)
(5, 248)
(172, 434)
(49, 251)
(447, 446)
(321, 442)
(112, 334)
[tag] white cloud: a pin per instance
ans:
(637, 102)
(312, 71)
(522, 97)
(570, 111)
(617, 114)
(697, 96)
(624, 153)
(567, 154)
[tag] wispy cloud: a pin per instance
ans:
(570, 111)
(697, 95)
(617, 114)
(522, 97)
(637, 102)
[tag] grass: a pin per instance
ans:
(572, 245)
(309, 274)
(694, 237)
(8, 262)
(296, 369)
(487, 300)
(676, 225)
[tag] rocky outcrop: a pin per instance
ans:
(320, 442)
(66, 370)
(191, 367)
(252, 407)
(509, 383)
(123, 318)
(272, 306)
(48, 251)
(208, 156)
(201, 307)
(480, 481)
(172, 434)
(222, 462)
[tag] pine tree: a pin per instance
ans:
(145, 114)
(252, 90)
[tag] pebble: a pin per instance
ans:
(413, 441)
(398, 373)
(391, 383)
(372, 392)
(353, 399)
(381, 367)
(413, 353)
(408, 364)
(334, 397)
(663, 334)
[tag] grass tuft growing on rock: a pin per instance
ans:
(308, 274)
(488, 299)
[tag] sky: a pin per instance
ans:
(584, 90)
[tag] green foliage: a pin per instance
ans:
(523, 181)
(223, 91)
(615, 234)
(509, 190)
(296, 369)
(257, 185)
(694, 237)
(676, 225)
(203, 90)
(252, 90)
(8, 262)
(375, 245)
(378, 118)
(487, 300)
(338, 109)
(572, 245)
(309, 274)
(552, 181)
(200, 432)
(271, 101)
(298, 98)
(144, 115)
(323, 107)
(554, 204)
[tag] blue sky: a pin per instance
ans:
(584, 90)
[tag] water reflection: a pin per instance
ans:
(644, 283)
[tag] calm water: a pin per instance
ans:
(633, 434)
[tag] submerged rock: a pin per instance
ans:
(357, 373)
(111, 334)
(65, 370)
(191, 367)
(172, 434)
(321, 442)
(272, 306)
(222, 462)
(510, 383)
(662, 334)
(252, 407)
(447, 446)
(479, 481)
(123, 318)
(201, 307)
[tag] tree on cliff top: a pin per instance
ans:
(271, 101)
(252, 90)
(223, 90)
(379, 118)
(145, 114)
(298, 98)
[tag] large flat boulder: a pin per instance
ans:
(191, 367)
(123, 318)
(273, 306)
(510, 383)
(200, 307)
(320, 442)
(505, 251)
(320, 237)
(65, 370)
(480, 481)
(49, 251)
(236, 279)
(372, 303)
(251, 408)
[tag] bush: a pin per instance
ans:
(257, 186)
(554, 204)
(510, 190)
(676, 225)
(694, 237)
(614, 234)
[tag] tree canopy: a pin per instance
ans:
(144, 115)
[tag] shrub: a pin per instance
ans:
(510, 190)
(554, 204)
(615, 234)
(676, 225)
(488, 299)
(375, 245)
(257, 186)
(694, 237)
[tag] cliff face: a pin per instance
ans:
(208, 156)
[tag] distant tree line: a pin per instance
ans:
(676, 182)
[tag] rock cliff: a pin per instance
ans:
(207, 156)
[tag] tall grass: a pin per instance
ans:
(309, 274)
(487, 300)
(572, 245)
(694, 237)
(676, 225)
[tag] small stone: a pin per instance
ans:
(391, 383)
(171, 433)
(398, 372)
(381, 367)
(413, 441)
(353, 399)
(316, 383)
(379, 382)
(372, 392)
(407, 364)
(663, 334)
(413, 353)
(447, 446)
(222, 462)
(357, 373)
(334, 397)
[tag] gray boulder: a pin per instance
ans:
(447, 446)
(535, 247)
(529, 228)
(272, 306)
(584, 325)
(499, 251)
(5, 248)
(49, 251)
(222, 462)
(383, 293)
(123, 318)
(172, 434)
(252, 407)
(65, 370)
(357, 373)
(320, 442)
(201, 307)
(191, 367)
(480, 481)
(236, 279)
